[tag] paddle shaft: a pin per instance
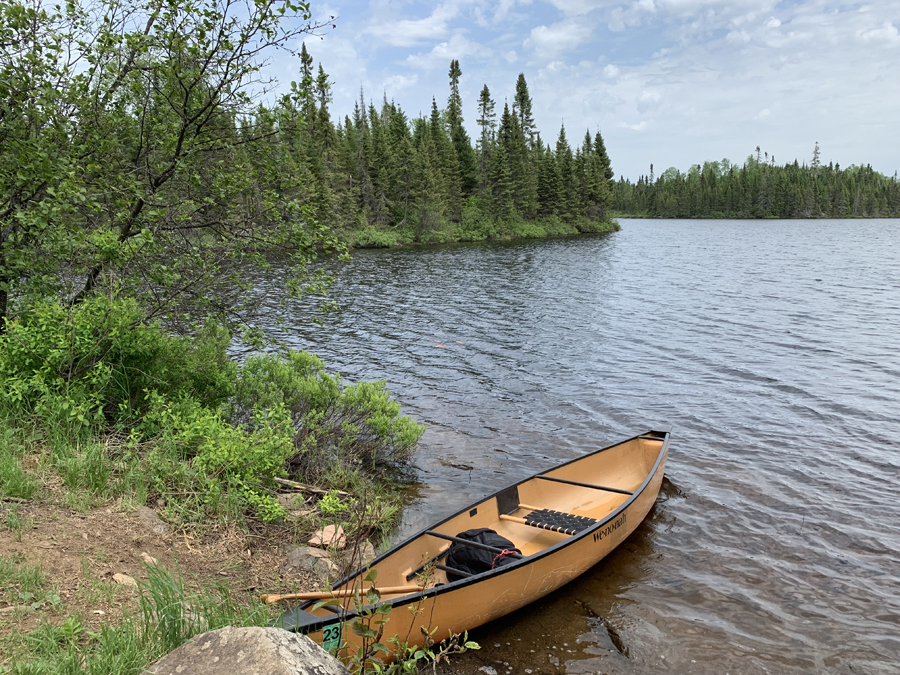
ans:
(342, 593)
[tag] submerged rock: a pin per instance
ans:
(252, 651)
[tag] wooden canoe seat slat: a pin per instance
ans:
(586, 485)
(555, 521)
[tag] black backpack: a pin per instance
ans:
(476, 560)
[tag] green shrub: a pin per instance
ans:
(475, 224)
(96, 362)
(333, 422)
(372, 238)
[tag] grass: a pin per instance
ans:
(15, 522)
(24, 585)
(168, 614)
(14, 481)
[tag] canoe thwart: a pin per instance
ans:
(474, 544)
(432, 561)
(585, 485)
(555, 521)
(453, 570)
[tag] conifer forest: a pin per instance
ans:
(761, 189)
(389, 178)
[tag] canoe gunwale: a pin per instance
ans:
(419, 596)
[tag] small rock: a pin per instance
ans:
(124, 580)
(248, 650)
(149, 559)
(309, 559)
(148, 518)
(330, 536)
(488, 670)
(16, 608)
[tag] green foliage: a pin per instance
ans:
(170, 614)
(335, 423)
(372, 238)
(190, 422)
(121, 162)
(95, 362)
(24, 584)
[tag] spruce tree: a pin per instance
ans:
(565, 162)
(487, 120)
(459, 138)
(522, 108)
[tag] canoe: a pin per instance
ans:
(562, 521)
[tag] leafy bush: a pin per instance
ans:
(475, 224)
(372, 238)
(96, 362)
(357, 425)
(190, 423)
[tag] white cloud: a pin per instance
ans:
(396, 83)
(457, 47)
(564, 36)
(689, 80)
(412, 32)
(887, 32)
(579, 7)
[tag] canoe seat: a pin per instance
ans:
(558, 521)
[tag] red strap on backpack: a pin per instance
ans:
(504, 553)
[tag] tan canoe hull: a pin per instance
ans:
(551, 559)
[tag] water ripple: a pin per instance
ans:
(772, 351)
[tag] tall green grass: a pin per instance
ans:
(170, 614)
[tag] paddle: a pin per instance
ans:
(342, 593)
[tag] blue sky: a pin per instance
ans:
(673, 82)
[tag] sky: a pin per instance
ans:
(668, 82)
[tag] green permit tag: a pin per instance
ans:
(331, 637)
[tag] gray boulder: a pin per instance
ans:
(309, 559)
(249, 651)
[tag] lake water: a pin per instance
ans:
(770, 349)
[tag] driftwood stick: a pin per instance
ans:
(308, 488)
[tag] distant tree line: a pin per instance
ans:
(384, 177)
(761, 189)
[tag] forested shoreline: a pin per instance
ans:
(386, 178)
(761, 189)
